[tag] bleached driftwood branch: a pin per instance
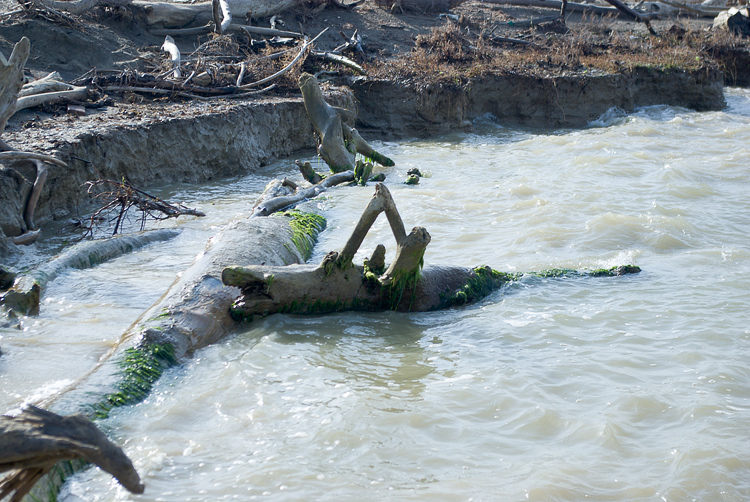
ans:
(332, 132)
(174, 53)
(24, 295)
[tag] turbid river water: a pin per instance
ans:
(606, 389)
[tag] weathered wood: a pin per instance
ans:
(735, 20)
(11, 79)
(32, 442)
(24, 296)
(176, 15)
(174, 53)
(420, 5)
(338, 58)
(331, 132)
(272, 205)
(336, 284)
(32, 100)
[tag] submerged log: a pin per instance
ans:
(24, 295)
(34, 441)
(336, 284)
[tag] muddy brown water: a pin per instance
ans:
(630, 388)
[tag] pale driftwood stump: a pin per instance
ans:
(339, 144)
(34, 441)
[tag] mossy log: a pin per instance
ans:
(24, 295)
(34, 441)
(338, 143)
(336, 284)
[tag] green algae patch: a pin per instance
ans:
(140, 368)
(482, 282)
(615, 271)
(305, 229)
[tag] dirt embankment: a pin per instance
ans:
(429, 75)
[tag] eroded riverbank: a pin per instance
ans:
(160, 143)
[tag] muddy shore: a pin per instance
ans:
(154, 141)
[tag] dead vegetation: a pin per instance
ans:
(119, 199)
(456, 52)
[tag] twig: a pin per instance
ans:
(120, 197)
(241, 75)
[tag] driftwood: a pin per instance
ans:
(419, 5)
(174, 53)
(120, 197)
(336, 284)
(734, 20)
(34, 441)
(181, 14)
(11, 82)
(278, 203)
(24, 295)
(338, 143)
(173, 14)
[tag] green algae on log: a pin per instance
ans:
(337, 284)
(140, 368)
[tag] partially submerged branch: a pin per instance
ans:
(121, 196)
(24, 295)
(337, 284)
(338, 143)
(34, 441)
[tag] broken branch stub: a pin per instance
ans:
(338, 143)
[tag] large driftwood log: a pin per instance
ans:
(339, 144)
(175, 14)
(336, 284)
(34, 441)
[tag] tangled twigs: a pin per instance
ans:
(120, 197)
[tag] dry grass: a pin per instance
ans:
(454, 54)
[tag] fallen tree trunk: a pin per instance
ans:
(176, 15)
(556, 4)
(34, 441)
(336, 284)
(24, 295)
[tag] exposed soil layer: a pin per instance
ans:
(430, 75)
